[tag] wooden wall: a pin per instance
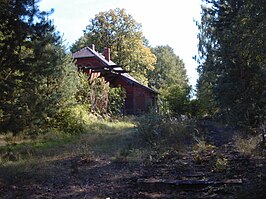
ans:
(138, 98)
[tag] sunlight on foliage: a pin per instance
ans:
(247, 146)
(221, 164)
(160, 131)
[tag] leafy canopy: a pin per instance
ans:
(170, 79)
(168, 70)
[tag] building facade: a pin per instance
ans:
(139, 98)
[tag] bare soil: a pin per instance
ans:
(99, 175)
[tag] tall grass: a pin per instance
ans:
(248, 145)
(163, 132)
(57, 142)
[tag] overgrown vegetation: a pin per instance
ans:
(52, 117)
(42, 91)
(231, 69)
(170, 79)
(163, 132)
(249, 145)
(22, 147)
(116, 100)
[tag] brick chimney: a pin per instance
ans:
(107, 54)
(93, 47)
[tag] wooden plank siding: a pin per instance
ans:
(139, 98)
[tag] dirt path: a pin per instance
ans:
(99, 175)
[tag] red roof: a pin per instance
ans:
(88, 52)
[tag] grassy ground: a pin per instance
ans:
(102, 136)
(111, 159)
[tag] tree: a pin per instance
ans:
(175, 100)
(232, 58)
(168, 70)
(119, 31)
(170, 79)
(37, 78)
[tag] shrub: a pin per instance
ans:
(116, 98)
(221, 164)
(161, 131)
(247, 146)
(72, 119)
(175, 100)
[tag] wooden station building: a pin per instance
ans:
(139, 98)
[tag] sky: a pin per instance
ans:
(164, 22)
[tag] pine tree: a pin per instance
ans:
(232, 58)
(36, 77)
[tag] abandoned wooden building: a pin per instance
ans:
(139, 98)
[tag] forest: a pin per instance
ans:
(57, 140)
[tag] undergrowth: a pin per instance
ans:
(248, 145)
(162, 132)
(54, 142)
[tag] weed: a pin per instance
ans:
(201, 149)
(221, 164)
(202, 146)
(248, 145)
(160, 131)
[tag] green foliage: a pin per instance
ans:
(169, 69)
(232, 60)
(176, 100)
(164, 132)
(37, 78)
(170, 79)
(221, 164)
(100, 136)
(50, 89)
(71, 120)
(116, 100)
(119, 31)
(83, 90)
(194, 108)
(201, 149)
(99, 95)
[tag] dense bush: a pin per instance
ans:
(101, 98)
(176, 100)
(162, 131)
(116, 98)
